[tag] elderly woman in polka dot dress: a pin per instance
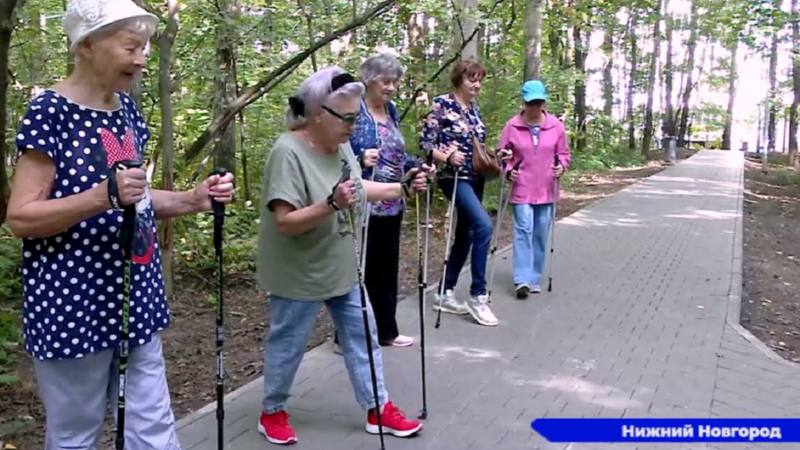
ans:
(65, 204)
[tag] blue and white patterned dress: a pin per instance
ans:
(393, 159)
(72, 294)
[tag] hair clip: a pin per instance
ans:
(297, 106)
(340, 80)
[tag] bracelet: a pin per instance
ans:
(406, 190)
(113, 191)
(332, 203)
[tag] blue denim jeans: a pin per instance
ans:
(474, 228)
(291, 322)
(531, 227)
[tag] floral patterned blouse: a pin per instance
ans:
(393, 160)
(445, 124)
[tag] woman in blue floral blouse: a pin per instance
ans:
(379, 146)
(446, 133)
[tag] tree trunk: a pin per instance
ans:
(793, 111)
(631, 116)
(608, 64)
(468, 26)
(167, 229)
(691, 45)
(305, 10)
(136, 86)
(70, 56)
(225, 146)
(6, 30)
(328, 26)
(416, 36)
(669, 111)
(651, 85)
(732, 82)
(773, 88)
(580, 89)
(533, 40)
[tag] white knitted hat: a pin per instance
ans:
(84, 17)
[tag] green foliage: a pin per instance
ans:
(10, 295)
(10, 265)
(9, 341)
(194, 249)
(786, 176)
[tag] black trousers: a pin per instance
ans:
(381, 273)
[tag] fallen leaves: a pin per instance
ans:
(771, 303)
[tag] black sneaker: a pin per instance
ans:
(523, 290)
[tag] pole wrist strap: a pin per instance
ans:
(113, 192)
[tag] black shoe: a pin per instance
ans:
(523, 290)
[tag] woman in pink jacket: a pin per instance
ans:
(537, 139)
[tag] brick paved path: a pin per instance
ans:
(642, 322)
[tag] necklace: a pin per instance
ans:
(317, 146)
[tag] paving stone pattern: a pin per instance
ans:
(645, 285)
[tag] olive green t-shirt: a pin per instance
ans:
(320, 263)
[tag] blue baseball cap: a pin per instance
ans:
(533, 90)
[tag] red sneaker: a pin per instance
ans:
(393, 421)
(276, 428)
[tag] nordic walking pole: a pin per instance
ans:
(447, 248)
(552, 231)
(219, 221)
(423, 284)
(345, 177)
(127, 231)
(500, 215)
(365, 229)
(365, 225)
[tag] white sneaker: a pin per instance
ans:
(480, 310)
(449, 304)
(401, 341)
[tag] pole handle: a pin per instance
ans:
(345, 173)
(128, 211)
(219, 211)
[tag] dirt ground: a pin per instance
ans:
(190, 343)
(771, 297)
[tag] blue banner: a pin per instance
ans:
(668, 430)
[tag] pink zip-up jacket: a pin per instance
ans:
(534, 185)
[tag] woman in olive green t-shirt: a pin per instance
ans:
(306, 255)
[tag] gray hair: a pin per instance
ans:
(140, 25)
(381, 66)
(315, 91)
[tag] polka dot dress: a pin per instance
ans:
(72, 294)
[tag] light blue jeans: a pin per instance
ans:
(531, 227)
(291, 322)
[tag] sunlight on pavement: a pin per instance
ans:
(468, 353)
(705, 214)
(586, 391)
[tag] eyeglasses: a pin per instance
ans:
(348, 119)
(299, 108)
